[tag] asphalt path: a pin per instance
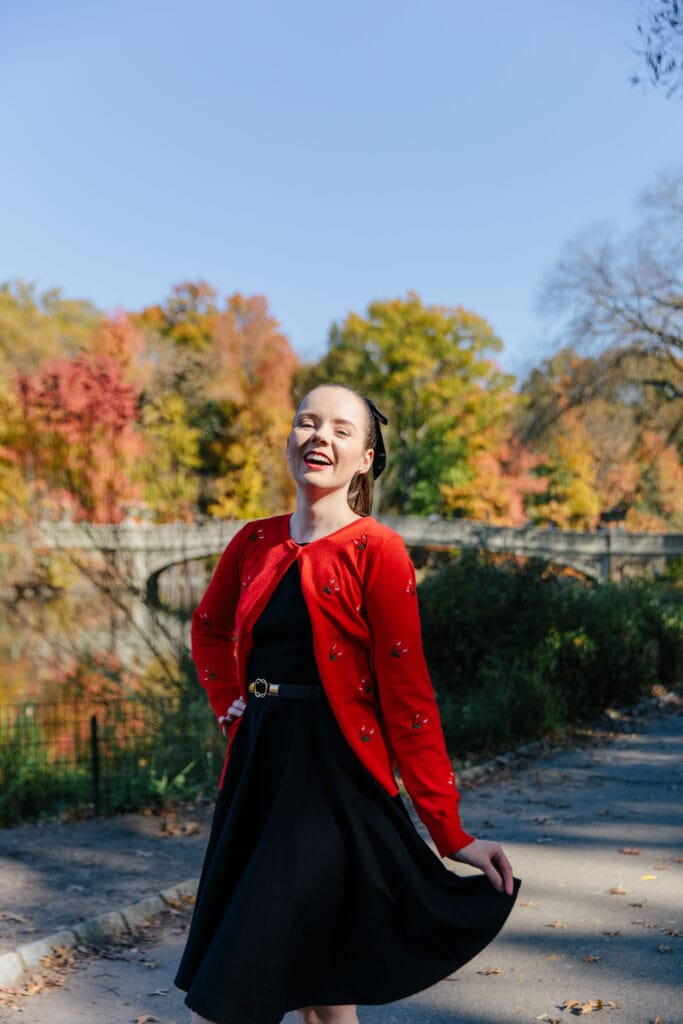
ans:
(596, 834)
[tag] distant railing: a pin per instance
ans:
(72, 758)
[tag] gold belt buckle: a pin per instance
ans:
(261, 688)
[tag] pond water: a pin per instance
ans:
(51, 638)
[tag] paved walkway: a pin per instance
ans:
(596, 834)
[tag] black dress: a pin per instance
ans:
(316, 887)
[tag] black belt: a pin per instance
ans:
(290, 691)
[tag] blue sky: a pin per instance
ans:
(322, 154)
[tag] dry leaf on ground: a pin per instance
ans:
(617, 890)
(664, 949)
(556, 924)
(489, 970)
(630, 851)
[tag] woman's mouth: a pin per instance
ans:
(316, 460)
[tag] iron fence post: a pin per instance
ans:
(95, 763)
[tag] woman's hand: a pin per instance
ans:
(489, 858)
(235, 711)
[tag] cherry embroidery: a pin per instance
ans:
(366, 733)
(420, 720)
(332, 586)
(399, 649)
(361, 542)
(365, 686)
(336, 651)
(258, 534)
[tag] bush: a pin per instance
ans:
(518, 650)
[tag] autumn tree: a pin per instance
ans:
(606, 438)
(35, 327)
(77, 438)
(623, 299)
(169, 470)
(431, 370)
(231, 367)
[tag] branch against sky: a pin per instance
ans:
(660, 31)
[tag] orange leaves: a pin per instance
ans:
(581, 1007)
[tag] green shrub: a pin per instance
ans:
(517, 651)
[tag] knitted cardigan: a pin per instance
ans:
(359, 587)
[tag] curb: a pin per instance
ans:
(93, 932)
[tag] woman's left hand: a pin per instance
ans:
(489, 858)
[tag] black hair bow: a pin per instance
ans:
(380, 458)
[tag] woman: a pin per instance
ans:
(317, 893)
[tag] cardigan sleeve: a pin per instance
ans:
(213, 631)
(410, 715)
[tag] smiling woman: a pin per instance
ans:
(308, 644)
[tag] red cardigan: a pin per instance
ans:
(359, 587)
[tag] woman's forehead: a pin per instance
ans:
(335, 401)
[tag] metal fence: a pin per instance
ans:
(72, 758)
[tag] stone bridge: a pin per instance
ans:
(144, 550)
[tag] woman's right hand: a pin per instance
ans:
(235, 711)
(489, 858)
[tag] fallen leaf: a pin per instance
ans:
(591, 959)
(618, 890)
(159, 992)
(658, 1019)
(527, 903)
(630, 852)
(641, 903)
(490, 970)
(647, 878)
(556, 924)
(673, 933)
(148, 1018)
(613, 934)
(664, 949)
(644, 924)
(7, 915)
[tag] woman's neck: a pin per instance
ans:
(316, 519)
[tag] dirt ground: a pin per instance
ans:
(54, 874)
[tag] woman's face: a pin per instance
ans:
(327, 443)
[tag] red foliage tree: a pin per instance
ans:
(78, 434)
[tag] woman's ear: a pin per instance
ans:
(366, 461)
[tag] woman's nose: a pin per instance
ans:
(322, 434)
